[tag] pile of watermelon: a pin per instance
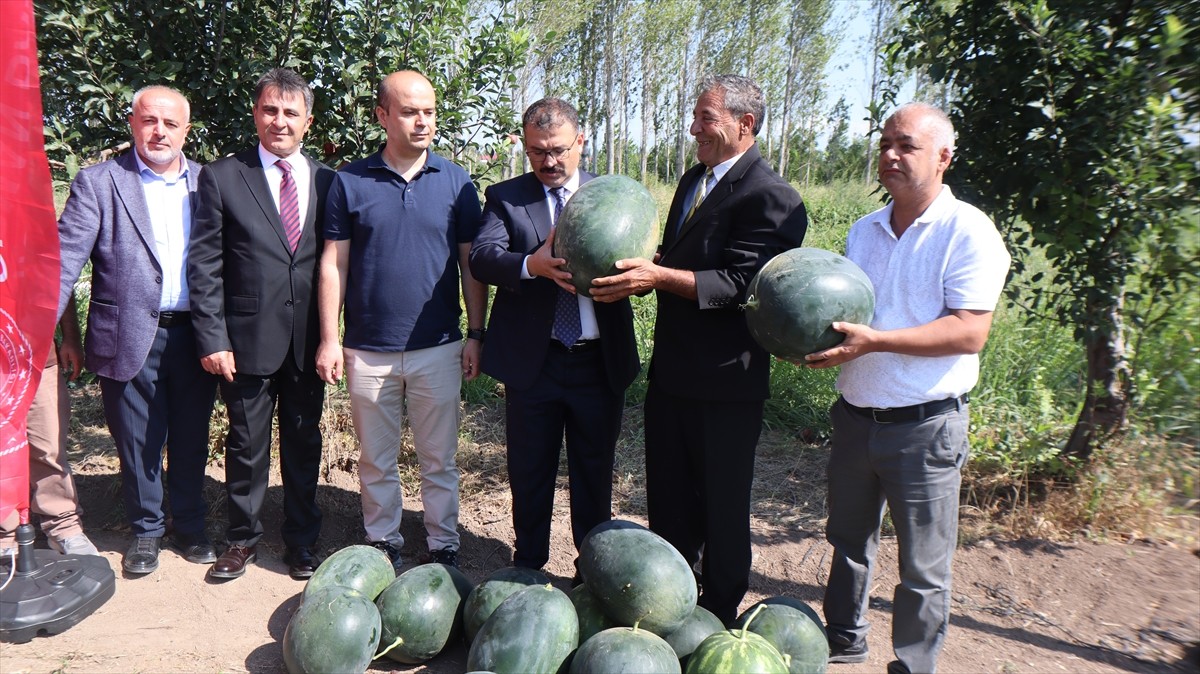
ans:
(636, 611)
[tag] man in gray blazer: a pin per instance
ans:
(132, 217)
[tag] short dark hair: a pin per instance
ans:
(285, 81)
(550, 113)
(739, 95)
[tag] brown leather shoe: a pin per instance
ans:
(233, 562)
(301, 562)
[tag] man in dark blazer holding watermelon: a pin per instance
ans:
(565, 361)
(253, 271)
(708, 378)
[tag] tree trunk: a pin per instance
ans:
(1106, 405)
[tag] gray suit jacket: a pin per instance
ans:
(107, 221)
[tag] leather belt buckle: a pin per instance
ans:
(170, 319)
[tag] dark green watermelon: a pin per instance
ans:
(698, 626)
(609, 218)
(492, 591)
(592, 620)
(421, 612)
(793, 300)
(532, 632)
(736, 652)
(335, 629)
(625, 650)
(792, 632)
(638, 578)
(799, 606)
(361, 567)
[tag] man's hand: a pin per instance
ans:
(471, 357)
(330, 362)
(859, 341)
(543, 263)
(638, 275)
(220, 363)
(70, 359)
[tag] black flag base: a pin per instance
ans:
(47, 593)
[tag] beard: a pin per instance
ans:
(159, 156)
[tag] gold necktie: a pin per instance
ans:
(701, 192)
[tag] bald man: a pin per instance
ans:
(132, 216)
(403, 220)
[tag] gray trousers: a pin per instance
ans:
(915, 470)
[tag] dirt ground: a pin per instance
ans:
(1018, 606)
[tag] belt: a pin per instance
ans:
(171, 319)
(578, 347)
(899, 415)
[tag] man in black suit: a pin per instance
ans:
(565, 361)
(708, 378)
(253, 269)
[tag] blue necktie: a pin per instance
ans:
(567, 326)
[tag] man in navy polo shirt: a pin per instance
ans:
(398, 229)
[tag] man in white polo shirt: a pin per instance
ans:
(900, 428)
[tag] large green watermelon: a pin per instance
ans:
(638, 578)
(361, 567)
(698, 626)
(609, 218)
(421, 612)
(799, 606)
(592, 619)
(792, 632)
(625, 650)
(492, 591)
(335, 629)
(736, 652)
(532, 632)
(793, 300)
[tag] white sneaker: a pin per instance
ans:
(74, 545)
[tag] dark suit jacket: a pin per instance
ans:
(516, 222)
(250, 294)
(703, 348)
(107, 221)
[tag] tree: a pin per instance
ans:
(1074, 128)
(95, 54)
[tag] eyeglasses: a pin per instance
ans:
(559, 153)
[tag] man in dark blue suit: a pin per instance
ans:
(564, 360)
(132, 216)
(708, 378)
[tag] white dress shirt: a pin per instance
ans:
(170, 208)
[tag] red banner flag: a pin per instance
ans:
(29, 267)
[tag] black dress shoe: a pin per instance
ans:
(301, 562)
(142, 555)
(195, 548)
(233, 562)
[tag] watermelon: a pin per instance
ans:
(698, 626)
(736, 652)
(793, 300)
(609, 218)
(488, 594)
(638, 578)
(792, 632)
(533, 631)
(421, 612)
(360, 567)
(625, 649)
(799, 606)
(335, 629)
(592, 620)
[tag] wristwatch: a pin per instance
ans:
(476, 334)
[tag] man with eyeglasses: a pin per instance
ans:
(564, 360)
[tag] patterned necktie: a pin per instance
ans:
(289, 205)
(567, 326)
(701, 192)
